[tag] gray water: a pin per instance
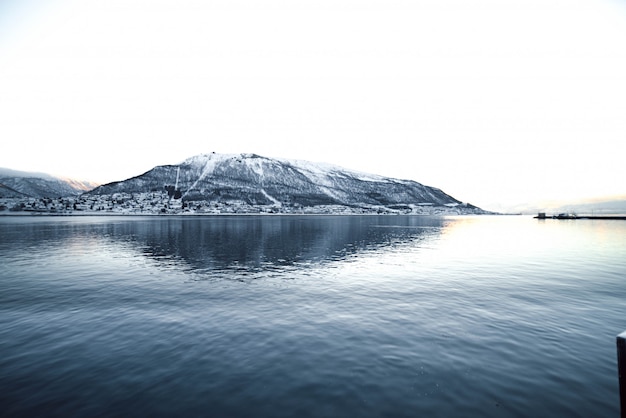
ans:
(310, 316)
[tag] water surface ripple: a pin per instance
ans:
(310, 316)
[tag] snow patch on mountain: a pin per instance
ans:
(270, 198)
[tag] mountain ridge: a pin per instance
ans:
(21, 184)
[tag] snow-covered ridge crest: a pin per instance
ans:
(317, 170)
(258, 183)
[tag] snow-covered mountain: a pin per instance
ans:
(254, 180)
(20, 184)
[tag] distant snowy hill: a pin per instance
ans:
(19, 184)
(603, 207)
(251, 179)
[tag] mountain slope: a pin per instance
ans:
(9, 192)
(256, 180)
(27, 184)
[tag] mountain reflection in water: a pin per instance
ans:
(249, 245)
(255, 244)
(223, 246)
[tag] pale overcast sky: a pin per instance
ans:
(497, 102)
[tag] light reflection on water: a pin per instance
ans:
(310, 316)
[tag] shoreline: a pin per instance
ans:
(165, 215)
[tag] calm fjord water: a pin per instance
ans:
(310, 316)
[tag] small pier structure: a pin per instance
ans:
(542, 215)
